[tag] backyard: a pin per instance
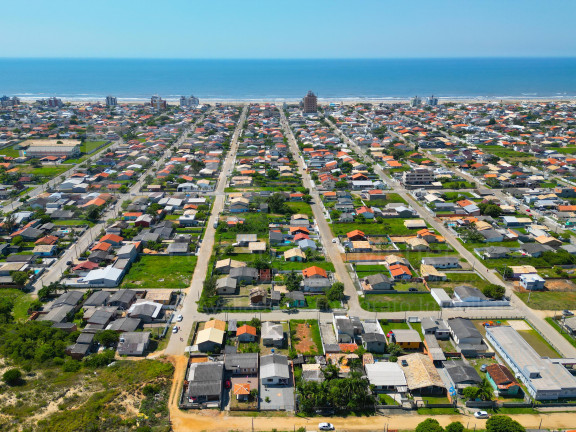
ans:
(160, 272)
(398, 302)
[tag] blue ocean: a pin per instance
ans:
(136, 79)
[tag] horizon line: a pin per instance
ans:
(294, 58)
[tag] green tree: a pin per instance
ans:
(322, 303)
(12, 377)
(6, 306)
(454, 427)
(429, 425)
(292, 281)
(336, 291)
(20, 278)
(272, 174)
(502, 423)
(395, 349)
(494, 291)
(107, 337)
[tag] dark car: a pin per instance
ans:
(228, 384)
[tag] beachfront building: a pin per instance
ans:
(189, 101)
(54, 102)
(432, 101)
(310, 103)
(545, 378)
(157, 103)
(416, 101)
(62, 148)
(111, 101)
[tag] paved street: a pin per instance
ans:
(178, 341)
(15, 203)
(56, 270)
(561, 344)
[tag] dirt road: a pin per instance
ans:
(216, 421)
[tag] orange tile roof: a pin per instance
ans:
(314, 271)
(242, 389)
(246, 329)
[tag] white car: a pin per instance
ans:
(179, 318)
(334, 240)
(175, 329)
(325, 426)
(481, 414)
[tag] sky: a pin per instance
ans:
(288, 29)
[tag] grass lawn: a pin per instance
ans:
(289, 265)
(46, 170)
(311, 302)
(560, 330)
(73, 222)
(415, 258)
(540, 345)
(389, 226)
(549, 300)
(436, 411)
(385, 399)
(564, 150)
(398, 302)
(301, 208)
(21, 302)
(160, 272)
(10, 152)
(88, 147)
(389, 326)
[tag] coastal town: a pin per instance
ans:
(284, 265)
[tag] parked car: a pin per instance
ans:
(326, 426)
(228, 384)
(175, 329)
(567, 313)
(481, 414)
(404, 363)
(179, 318)
(334, 240)
(483, 368)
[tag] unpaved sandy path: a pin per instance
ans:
(215, 421)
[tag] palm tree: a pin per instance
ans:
(485, 390)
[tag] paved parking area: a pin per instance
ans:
(281, 398)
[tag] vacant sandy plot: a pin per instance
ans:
(519, 325)
(305, 343)
(560, 285)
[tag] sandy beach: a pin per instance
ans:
(324, 101)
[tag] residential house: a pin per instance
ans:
(272, 334)
(274, 370)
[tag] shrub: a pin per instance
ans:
(12, 377)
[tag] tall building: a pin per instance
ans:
(157, 103)
(432, 101)
(189, 102)
(416, 101)
(6, 101)
(54, 102)
(111, 101)
(418, 176)
(310, 103)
